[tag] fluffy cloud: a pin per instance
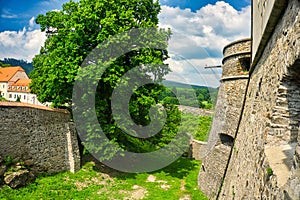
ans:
(7, 14)
(199, 37)
(210, 28)
(31, 22)
(21, 44)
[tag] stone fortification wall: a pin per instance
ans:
(236, 61)
(39, 134)
(265, 162)
(196, 147)
(228, 109)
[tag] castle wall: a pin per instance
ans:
(41, 135)
(265, 15)
(265, 163)
(228, 109)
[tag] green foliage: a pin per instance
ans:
(200, 97)
(189, 93)
(233, 193)
(170, 100)
(92, 182)
(2, 98)
(197, 126)
(73, 33)
(8, 161)
(2, 64)
(18, 99)
(27, 66)
(269, 171)
(77, 29)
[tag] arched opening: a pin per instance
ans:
(226, 139)
(245, 63)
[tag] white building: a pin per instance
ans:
(14, 84)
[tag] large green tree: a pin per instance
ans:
(81, 27)
(73, 32)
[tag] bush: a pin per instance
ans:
(8, 161)
(197, 126)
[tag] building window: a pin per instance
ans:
(24, 96)
(10, 96)
(15, 96)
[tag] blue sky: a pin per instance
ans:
(201, 28)
(15, 14)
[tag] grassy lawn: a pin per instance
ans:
(95, 181)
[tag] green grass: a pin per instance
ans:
(94, 181)
(197, 126)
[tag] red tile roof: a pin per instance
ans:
(7, 73)
(22, 82)
(21, 85)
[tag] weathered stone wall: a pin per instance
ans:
(237, 47)
(195, 111)
(265, 14)
(227, 112)
(265, 162)
(196, 147)
(43, 135)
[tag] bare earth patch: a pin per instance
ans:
(138, 193)
(151, 178)
(101, 179)
(185, 197)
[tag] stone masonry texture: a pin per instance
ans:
(228, 109)
(39, 135)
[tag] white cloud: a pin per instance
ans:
(199, 37)
(21, 44)
(8, 14)
(31, 22)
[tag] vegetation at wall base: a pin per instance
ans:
(94, 181)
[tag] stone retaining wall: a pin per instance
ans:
(40, 134)
(196, 147)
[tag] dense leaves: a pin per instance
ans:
(201, 97)
(74, 33)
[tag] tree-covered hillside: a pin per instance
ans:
(27, 66)
(189, 95)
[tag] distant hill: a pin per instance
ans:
(27, 66)
(169, 83)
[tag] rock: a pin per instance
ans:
(1, 160)
(29, 162)
(2, 170)
(18, 179)
(185, 197)
(151, 178)
(19, 167)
